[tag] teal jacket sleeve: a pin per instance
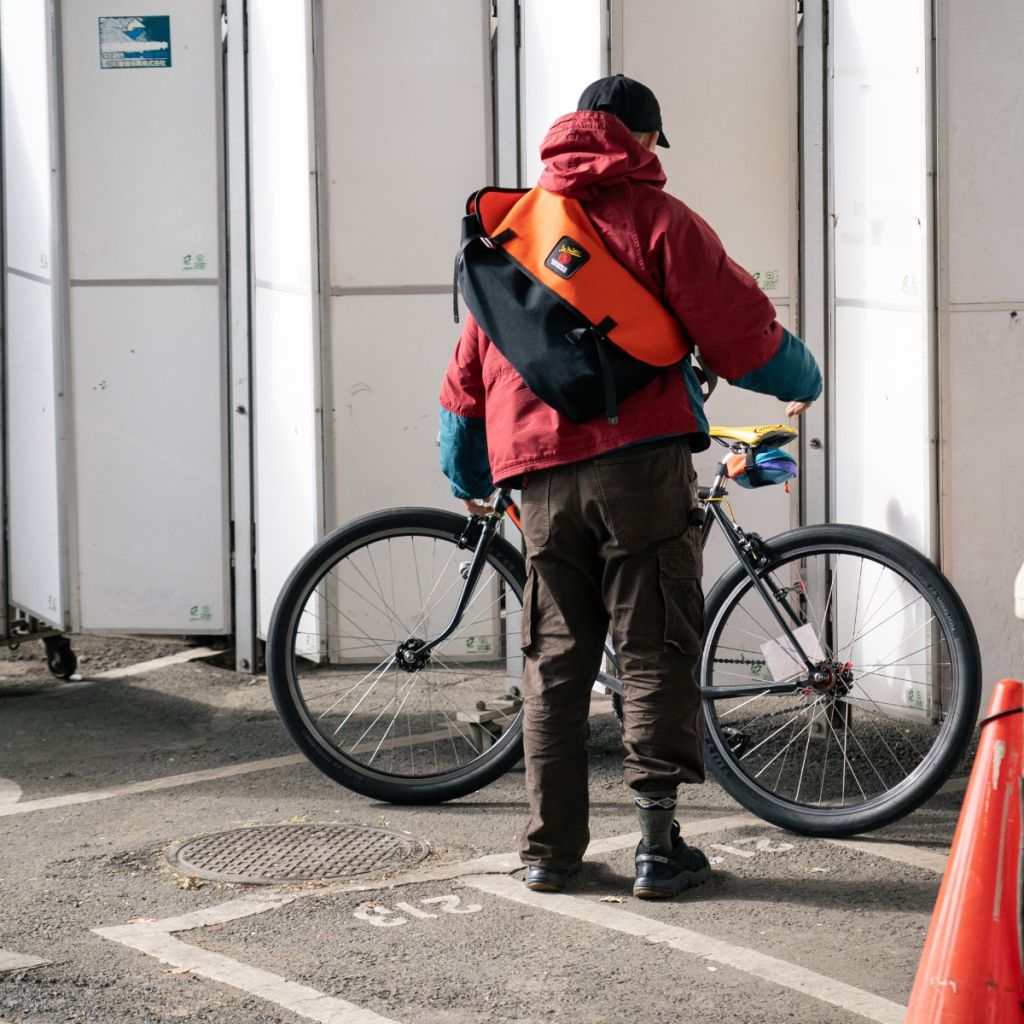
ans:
(463, 437)
(463, 441)
(791, 374)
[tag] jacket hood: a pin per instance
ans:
(589, 151)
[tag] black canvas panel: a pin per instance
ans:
(529, 324)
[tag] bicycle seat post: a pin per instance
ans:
(717, 489)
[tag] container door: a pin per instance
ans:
(285, 346)
(34, 369)
(884, 365)
(142, 102)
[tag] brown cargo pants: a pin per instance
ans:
(613, 541)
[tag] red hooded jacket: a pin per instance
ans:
(593, 157)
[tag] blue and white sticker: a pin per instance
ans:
(135, 42)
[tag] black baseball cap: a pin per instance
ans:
(629, 100)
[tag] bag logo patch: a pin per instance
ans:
(567, 257)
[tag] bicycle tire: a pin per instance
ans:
(929, 730)
(326, 585)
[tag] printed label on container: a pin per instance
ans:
(135, 42)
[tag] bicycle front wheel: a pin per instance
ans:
(897, 695)
(361, 713)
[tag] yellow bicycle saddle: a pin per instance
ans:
(770, 434)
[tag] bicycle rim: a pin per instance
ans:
(879, 736)
(430, 733)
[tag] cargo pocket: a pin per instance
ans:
(535, 507)
(529, 611)
(645, 494)
(679, 575)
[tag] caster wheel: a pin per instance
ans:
(60, 658)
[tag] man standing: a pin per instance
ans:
(609, 508)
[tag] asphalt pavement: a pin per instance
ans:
(101, 777)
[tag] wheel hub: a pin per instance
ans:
(410, 657)
(832, 677)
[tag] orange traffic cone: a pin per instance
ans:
(970, 971)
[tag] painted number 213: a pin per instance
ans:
(383, 917)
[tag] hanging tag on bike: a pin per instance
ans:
(783, 661)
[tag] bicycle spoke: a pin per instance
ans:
(359, 703)
(354, 686)
(853, 738)
(398, 720)
(803, 763)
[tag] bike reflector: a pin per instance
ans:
(771, 466)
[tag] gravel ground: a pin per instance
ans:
(26, 663)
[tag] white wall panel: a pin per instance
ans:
(981, 310)
(33, 508)
(983, 488)
(285, 441)
(883, 458)
(563, 51)
(725, 76)
(26, 135)
(982, 44)
(882, 220)
(142, 148)
(385, 402)
(407, 116)
(394, 202)
(279, 139)
(284, 344)
(152, 545)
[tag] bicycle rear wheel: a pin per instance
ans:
(882, 732)
(403, 734)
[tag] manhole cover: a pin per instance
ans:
(296, 853)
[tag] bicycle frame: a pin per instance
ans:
(748, 550)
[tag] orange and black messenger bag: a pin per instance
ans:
(579, 328)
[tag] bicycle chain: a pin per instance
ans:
(749, 661)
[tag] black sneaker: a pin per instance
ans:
(661, 873)
(543, 879)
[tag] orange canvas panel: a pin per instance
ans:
(603, 287)
(737, 464)
(495, 205)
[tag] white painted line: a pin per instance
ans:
(221, 913)
(689, 829)
(152, 785)
(958, 785)
(180, 658)
(300, 999)
(915, 856)
(749, 961)
(192, 778)
(10, 961)
(10, 791)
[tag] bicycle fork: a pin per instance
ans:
(413, 654)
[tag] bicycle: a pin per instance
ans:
(840, 672)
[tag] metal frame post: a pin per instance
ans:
(816, 273)
(505, 72)
(70, 615)
(239, 337)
